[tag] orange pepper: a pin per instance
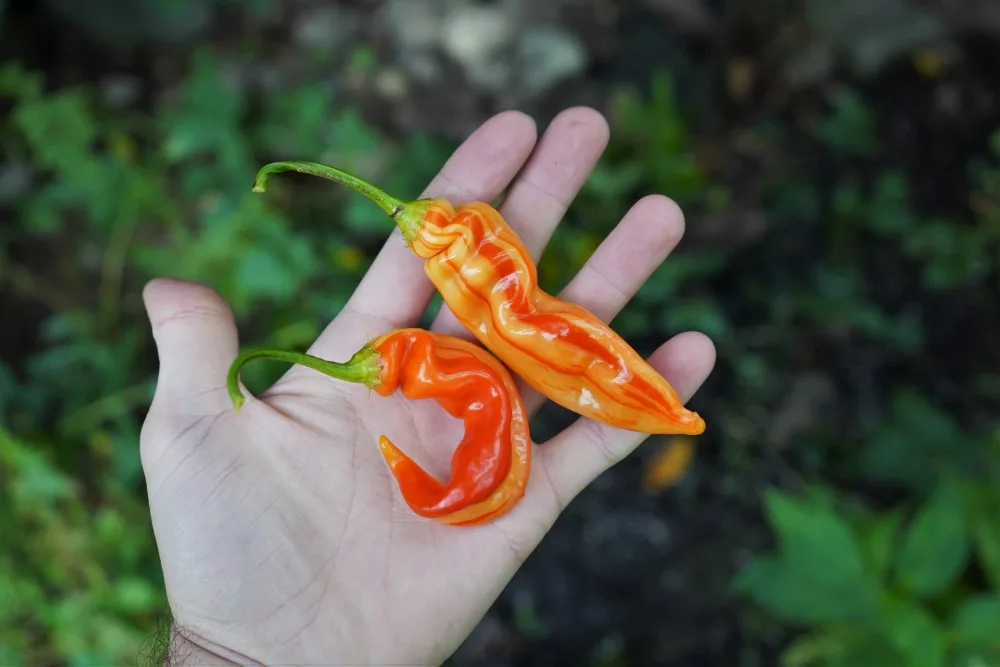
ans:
(489, 281)
(669, 464)
(490, 467)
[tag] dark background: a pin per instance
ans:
(839, 168)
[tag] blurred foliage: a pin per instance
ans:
(86, 586)
(846, 275)
(111, 199)
(916, 585)
(913, 584)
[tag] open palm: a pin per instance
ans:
(282, 535)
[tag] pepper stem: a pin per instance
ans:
(363, 368)
(407, 215)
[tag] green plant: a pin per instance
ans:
(849, 129)
(81, 580)
(952, 252)
(100, 201)
(897, 587)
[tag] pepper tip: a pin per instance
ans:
(698, 425)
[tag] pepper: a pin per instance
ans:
(491, 465)
(486, 275)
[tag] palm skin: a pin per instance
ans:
(282, 535)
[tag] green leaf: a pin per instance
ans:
(987, 538)
(966, 657)
(610, 181)
(879, 538)
(134, 595)
(871, 649)
(889, 211)
(935, 547)
(843, 647)
(814, 648)
(669, 277)
(262, 273)
(416, 164)
(59, 128)
(297, 122)
(36, 481)
(819, 559)
(360, 215)
(205, 120)
(17, 82)
(696, 315)
(800, 596)
(917, 441)
(850, 127)
(10, 654)
(812, 536)
(355, 140)
(914, 632)
(19, 596)
(8, 385)
(976, 624)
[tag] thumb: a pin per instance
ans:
(196, 341)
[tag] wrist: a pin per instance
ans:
(187, 649)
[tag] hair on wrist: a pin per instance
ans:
(174, 646)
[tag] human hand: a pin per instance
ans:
(282, 535)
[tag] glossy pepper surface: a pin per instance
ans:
(491, 465)
(489, 281)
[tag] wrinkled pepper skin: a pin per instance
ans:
(487, 277)
(492, 463)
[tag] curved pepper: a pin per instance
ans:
(489, 281)
(490, 467)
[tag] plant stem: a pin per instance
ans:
(363, 367)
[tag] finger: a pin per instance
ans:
(560, 165)
(575, 457)
(623, 262)
(566, 154)
(395, 291)
(196, 341)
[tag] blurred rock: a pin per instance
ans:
(739, 225)
(327, 27)
(414, 29)
(460, 61)
(415, 24)
(130, 22)
(974, 15)
(490, 643)
(549, 55)
(612, 538)
(809, 396)
(869, 35)
(15, 179)
(479, 39)
(120, 90)
(391, 83)
(690, 16)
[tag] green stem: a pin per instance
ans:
(385, 201)
(363, 367)
(408, 216)
(113, 264)
(27, 283)
(113, 406)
